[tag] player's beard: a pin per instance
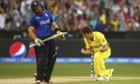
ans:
(91, 39)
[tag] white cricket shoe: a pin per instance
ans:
(106, 78)
(38, 82)
(103, 78)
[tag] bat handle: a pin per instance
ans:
(32, 45)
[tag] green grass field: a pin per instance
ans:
(123, 74)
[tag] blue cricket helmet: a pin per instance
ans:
(34, 5)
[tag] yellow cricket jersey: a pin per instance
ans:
(98, 41)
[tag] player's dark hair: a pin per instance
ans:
(86, 29)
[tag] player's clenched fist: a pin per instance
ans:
(82, 50)
(86, 51)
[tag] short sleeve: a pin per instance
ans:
(50, 16)
(32, 22)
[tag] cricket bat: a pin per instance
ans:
(50, 38)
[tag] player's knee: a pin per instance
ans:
(40, 61)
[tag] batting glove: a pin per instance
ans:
(57, 31)
(39, 42)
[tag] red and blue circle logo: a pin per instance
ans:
(18, 50)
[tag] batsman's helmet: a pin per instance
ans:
(34, 5)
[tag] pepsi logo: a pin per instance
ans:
(18, 49)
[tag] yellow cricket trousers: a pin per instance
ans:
(99, 63)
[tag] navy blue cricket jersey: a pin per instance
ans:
(42, 23)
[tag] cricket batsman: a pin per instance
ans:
(43, 26)
(96, 43)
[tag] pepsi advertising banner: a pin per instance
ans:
(18, 51)
(16, 48)
(10, 48)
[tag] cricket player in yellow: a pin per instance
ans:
(96, 43)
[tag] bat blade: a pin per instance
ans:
(55, 36)
(50, 38)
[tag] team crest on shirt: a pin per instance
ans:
(46, 14)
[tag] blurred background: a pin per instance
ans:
(119, 20)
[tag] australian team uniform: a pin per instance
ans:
(99, 57)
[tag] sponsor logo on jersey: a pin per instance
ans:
(45, 22)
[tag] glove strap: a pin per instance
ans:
(56, 30)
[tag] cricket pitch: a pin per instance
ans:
(64, 79)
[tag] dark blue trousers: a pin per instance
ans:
(45, 60)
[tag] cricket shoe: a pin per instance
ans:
(103, 78)
(38, 82)
(50, 82)
(106, 78)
